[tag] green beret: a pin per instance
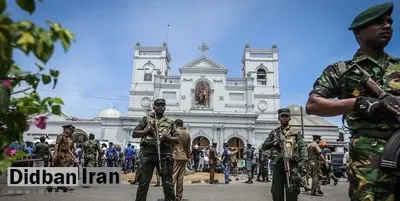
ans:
(159, 101)
(284, 111)
(371, 14)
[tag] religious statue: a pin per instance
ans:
(202, 92)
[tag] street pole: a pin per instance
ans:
(302, 121)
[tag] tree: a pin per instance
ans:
(19, 99)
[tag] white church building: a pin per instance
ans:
(214, 107)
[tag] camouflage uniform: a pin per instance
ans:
(90, 150)
(368, 181)
(42, 150)
(263, 168)
(64, 156)
(149, 157)
(297, 151)
(249, 157)
(137, 168)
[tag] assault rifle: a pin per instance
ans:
(391, 152)
(285, 158)
(158, 143)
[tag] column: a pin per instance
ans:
(221, 138)
(157, 85)
(248, 136)
(249, 92)
(214, 135)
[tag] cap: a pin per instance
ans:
(316, 137)
(370, 14)
(284, 111)
(68, 126)
(214, 143)
(159, 101)
(248, 144)
(225, 144)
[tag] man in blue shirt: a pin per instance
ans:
(226, 162)
(112, 155)
(128, 159)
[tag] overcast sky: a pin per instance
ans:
(96, 73)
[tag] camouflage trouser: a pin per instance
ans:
(148, 162)
(279, 180)
(368, 181)
(64, 160)
(89, 162)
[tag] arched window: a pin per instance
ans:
(261, 76)
(148, 71)
(148, 76)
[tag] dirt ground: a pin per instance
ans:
(192, 177)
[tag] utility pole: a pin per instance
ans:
(302, 121)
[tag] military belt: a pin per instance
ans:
(381, 134)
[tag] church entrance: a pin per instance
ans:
(237, 143)
(201, 141)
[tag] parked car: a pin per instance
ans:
(337, 163)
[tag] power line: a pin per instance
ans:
(83, 95)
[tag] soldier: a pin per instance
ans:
(305, 177)
(249, 154)
(91, 149)
(327, 170)
(370, 123)
(42, 150)
(137, 164)
(296, 151)
(263, 165)
(63, 155)
(259, 161)
(181, 156)
(315, 156)
(147, 129)
(212, 162)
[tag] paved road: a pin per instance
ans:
(192, 192)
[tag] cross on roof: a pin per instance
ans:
(203, 48)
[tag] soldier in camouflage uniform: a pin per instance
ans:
(147, 129)
(41, 150)
(249, 156)
(295, 148)
(63, 155)
(370, 124)
(91, 149)
(263, 168)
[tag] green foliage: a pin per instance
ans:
(18, 105)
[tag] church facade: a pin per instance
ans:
(213, 106)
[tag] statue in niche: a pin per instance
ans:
(202, 94)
